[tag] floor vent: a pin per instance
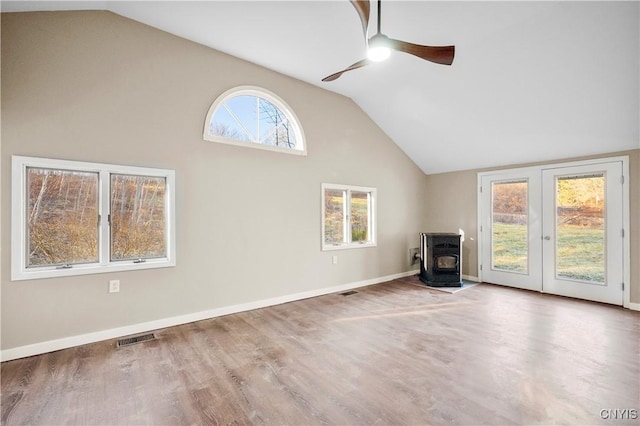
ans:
(136, 339)
(348, 293)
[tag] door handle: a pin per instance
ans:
(546, 237)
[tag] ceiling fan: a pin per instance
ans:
(379, 46)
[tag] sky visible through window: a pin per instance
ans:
(253, 119)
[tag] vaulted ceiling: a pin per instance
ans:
(531, 81)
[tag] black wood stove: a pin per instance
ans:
(441, 263)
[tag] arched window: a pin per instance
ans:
(254, 117)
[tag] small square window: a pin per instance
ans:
(348, 214)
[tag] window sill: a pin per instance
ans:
(330, 247)
(227, 141)
(53, 272)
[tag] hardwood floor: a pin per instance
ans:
(393, 353)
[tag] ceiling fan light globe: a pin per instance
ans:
(378, 53)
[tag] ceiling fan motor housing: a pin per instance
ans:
(378, 48)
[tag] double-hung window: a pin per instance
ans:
(348, 216)
(74, 218)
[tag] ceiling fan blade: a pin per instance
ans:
(355, 66)
(363, 9)
(437, 54)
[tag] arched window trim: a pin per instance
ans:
(301, 146)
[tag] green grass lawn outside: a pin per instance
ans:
(580, 250)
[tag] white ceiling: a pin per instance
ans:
(531, 81)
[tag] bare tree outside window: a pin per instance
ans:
(334, 216)
(256, 118)
(137, 217)
(224, 130)
(62, 216)
(278, 131)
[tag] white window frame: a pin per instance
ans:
(19, 244)
(301, 146)
(372, 228)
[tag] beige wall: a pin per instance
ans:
(94, 86)
(455, 207)
(97, 87)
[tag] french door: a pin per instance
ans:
(511, 228)
(556, 229)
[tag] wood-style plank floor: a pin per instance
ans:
(393, 353)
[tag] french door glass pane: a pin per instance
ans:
(62, 216)
(138, 223)
(359, 216)
(509, 230)
(580, 228)
(334, 215)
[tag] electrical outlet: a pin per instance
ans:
(114, 286)
(334, 260)
(414, 256)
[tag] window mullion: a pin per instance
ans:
(347, 210)
(258, 138)
(369, 217)
(104, 206)
(19, 204)
(169, 235)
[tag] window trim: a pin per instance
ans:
(19, 270)
(301, 144)
(373, 242)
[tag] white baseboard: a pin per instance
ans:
(471, 278)
(633, 306)
(69, 342)
(627, 305)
